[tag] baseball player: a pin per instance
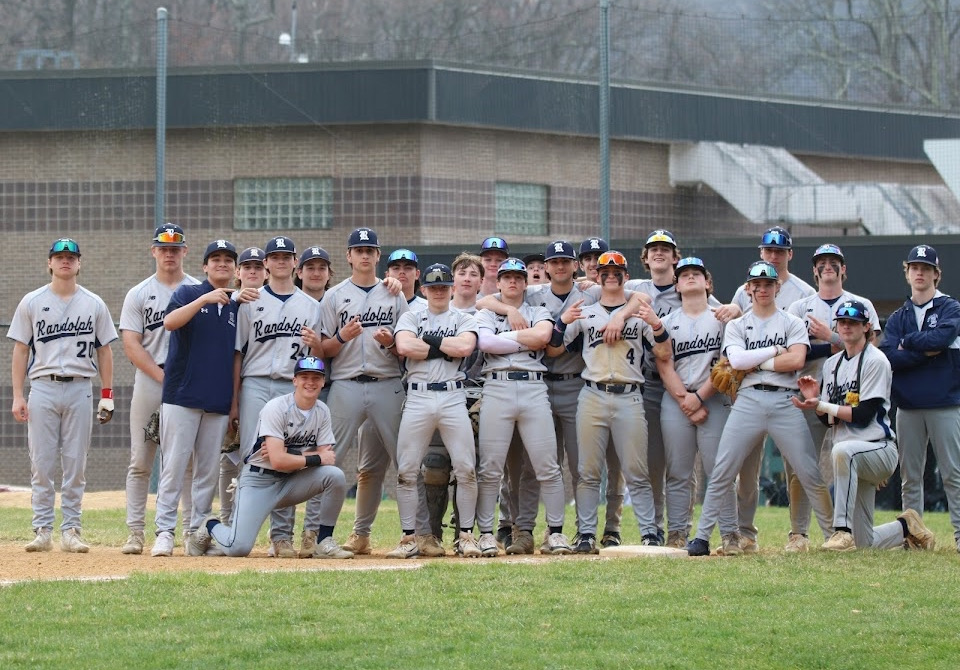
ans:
(493, 252)
(357, 319)
(817, 312)
(314, 272)
(777, 342)
(145, 343)
(692, 413)
(921, 342)
(853, 397)
(61, 335)
(268, 345)
(250, 274)
(404, 266)
(590, 250)
(435, 341)
(514, 396)
(292, 460)
(776, 248)
(610, 403)
(536, 275)
(197, 392)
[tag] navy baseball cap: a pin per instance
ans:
(363, 237)
(403, 255)
(776, 238)
(512, 265)
(593, 245)
(690, 262)
(533, 258)
(219, 245)
(169, 235)
(924, 253)
(437, 274)
(314, 252)
(64, 245)
(251, 254)
(762, 270)
(559, 249)
(661, 237)
(494, 244)
(853, 310)
(280, 245)
(827, 250)
(309, 364)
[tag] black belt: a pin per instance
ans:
(553, 377)
(615, 388)
(365, 378)
(518, 376)
(435, 386)
(268, 471)
(769, 387)
(58, 378)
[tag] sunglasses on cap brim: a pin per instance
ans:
(169, 237)
(612, 258)
(68, 246)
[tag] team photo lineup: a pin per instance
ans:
(478, 380)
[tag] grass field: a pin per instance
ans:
(866, 609)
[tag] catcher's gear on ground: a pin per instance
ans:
(231, 439)
(436, 479)
(152, 430)
(474, 401)
(725, 378)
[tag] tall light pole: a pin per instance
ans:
(605, 120)
(161, 135)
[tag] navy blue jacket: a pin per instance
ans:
(921, 381)
(198, 372)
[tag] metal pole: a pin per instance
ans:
(605, 120)
(293, 33)
(160, 183)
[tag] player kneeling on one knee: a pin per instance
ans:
(853, 398)
(292, 461)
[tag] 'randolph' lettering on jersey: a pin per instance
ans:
(768, 341)
(838, 392)
(372, 318)
(270, 331)
(595, 336)
(440, 332)
(73, 328)
(701, 345)
(153, 318)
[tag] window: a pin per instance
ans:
(284, 203)
(521, 209)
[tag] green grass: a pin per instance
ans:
(870, 609)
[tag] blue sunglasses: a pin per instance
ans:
(775, 238)
(309, 364)
(402, 255)
(851, 311)
(494, 243)
(65, 245)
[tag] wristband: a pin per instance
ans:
(106, 394)
(697, 393)
(340, 339)
(662, 337)
(559, 326)
(392, 344)
(828, 408)
(768, 365)
(313, 461)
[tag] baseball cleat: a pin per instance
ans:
(730, 545)
(196, 543)
(611, 538)
(587, 545)
(698, 547)
(406, 549)
(651, 541)
(559, 545)
(163, 545)
(467, 546)
(70, 542)
(749, 545)
(918, 535)
(488, 545)
(308, 542)
(504, 536)
(545, 544)
(42, 542)
(134, 543)
(797, 543)
(677, 539)
(284, 548)
(840, 541)
(328, 548)
(522, 542)
(430, 546)
(357, 544)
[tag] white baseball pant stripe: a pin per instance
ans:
(860, 468)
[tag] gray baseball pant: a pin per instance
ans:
(799, 503)
(58, 433)
(860, 468)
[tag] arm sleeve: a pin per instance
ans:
(866, 411)
(491, 343)
(743, 359)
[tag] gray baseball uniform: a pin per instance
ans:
(435, 401)
(260, 489)
(824, 311)
(611, 407)
(63, 337)
(143, 310)
(863, 456)
(763, 407)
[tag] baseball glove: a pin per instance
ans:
(231, 440)
(152, 430)
(725, 378)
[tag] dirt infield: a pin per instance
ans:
(105, 563)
